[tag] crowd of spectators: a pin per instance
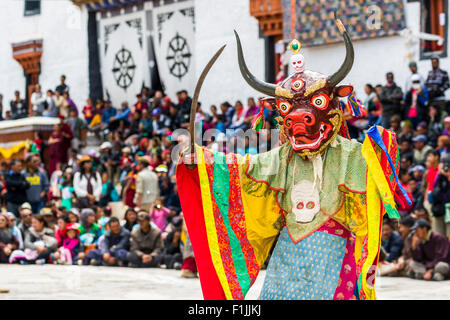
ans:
(67, 216)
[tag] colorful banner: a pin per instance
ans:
(363, 19)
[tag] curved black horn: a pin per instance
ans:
(263, 87)
(349, 58)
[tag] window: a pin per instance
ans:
(32, 7)
(434, 22)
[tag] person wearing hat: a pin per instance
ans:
(414, 73)
(69, 249)
(437, 83)
(440, 195)
(421, 149)
(416, 100)
(146, 244)
(87, 184)
(430, 253)
(160, 122)
(147, 188)
(49, 217)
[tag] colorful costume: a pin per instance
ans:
(320, 196)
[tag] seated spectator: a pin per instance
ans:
(440, 196)
(88, 111)
(421, 213)
(391, 242)
(402, 265)
(103, 221)
(115, 246)
(15, 229)
(39, 242)
(25, 216)
(417, 196)
(146, 244)
(172, 257)
(73, 215)
(421, 149)
(89, 233)
(49, 218)
(130, 221)
(403, 207)
(430, 253)
(443, 145)
(8, 242)
(62, 222)
(68, 251)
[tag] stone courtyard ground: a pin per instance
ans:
(75, 282)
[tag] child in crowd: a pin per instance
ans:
(88, 111)
(67, 190)
(68, 251)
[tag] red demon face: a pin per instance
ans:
(309, 107)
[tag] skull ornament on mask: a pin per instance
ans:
(307, 101)
(298, 63)
(305, 201)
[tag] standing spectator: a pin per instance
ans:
(8, 242)
(416, 100)
(62, 87)
(115, 246)
(38, 100)
(159, 214)
(51, 109)
(19, 107)
(147, 189)
(390, 97)
(78, 127)
(437, 83)
(440, 195)
(67, 136)
(430, 252)
(16, 186)
(184, 107)
(146, 244)
(414, 75)
(56, 144)
(87, 184)
(39, 184)
(59, 104)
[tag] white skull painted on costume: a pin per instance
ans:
(305, 201)
(298, 62)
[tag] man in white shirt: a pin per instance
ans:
(147, 188)
(38, 100)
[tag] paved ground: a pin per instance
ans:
(74, 282)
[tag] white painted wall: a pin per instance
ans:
(215, 21)
(63, 27)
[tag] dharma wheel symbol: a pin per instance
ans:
(124, 68)
(178, 56)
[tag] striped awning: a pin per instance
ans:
(104, 5)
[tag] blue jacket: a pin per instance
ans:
(107, 114)
(123, 115)
(393, 246)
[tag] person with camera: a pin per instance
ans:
(440, 206)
